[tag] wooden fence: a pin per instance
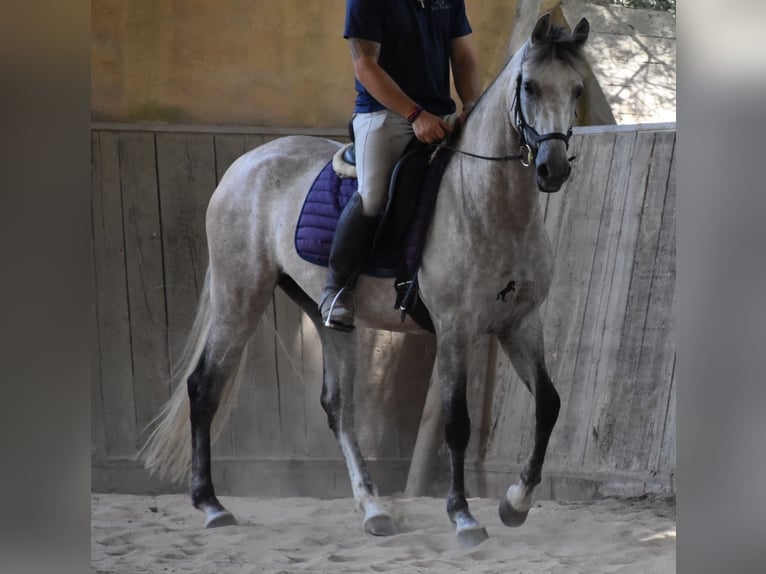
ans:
(609, 327)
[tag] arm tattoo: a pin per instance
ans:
(363, 48)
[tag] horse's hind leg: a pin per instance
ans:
(339, 354)
(232, 323)
(205, 387)
(524, 346)
(457, 431)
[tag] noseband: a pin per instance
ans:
(529, 137)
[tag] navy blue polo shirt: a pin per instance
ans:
(414, 46)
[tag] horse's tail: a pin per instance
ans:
(167, 451)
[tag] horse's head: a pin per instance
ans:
(546, 88)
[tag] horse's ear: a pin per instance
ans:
(542, 29)
(580, 32)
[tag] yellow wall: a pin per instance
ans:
(258, 62)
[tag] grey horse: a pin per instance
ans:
(486, 231)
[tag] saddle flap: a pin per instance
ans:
(404, 188)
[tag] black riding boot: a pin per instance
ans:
(353, 238)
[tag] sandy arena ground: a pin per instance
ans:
(164, 534)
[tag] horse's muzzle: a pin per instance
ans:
(551, 167)
(552, 184)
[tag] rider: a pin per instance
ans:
(401, 52)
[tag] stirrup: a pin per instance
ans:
(335, 325)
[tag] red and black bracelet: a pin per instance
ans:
(413, 115)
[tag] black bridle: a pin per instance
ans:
(529, 137)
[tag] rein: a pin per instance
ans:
(526, 133)
(512, 157)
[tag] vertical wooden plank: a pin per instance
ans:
(112, 299)
(652, 291)
(660, 329)
(620, 319)
(667, 457)
(97, 437)
(574, 260)
(145, 277)
(292, 415)
(605, 241)
(186, 168)
(611, 256)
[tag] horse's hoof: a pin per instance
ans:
(380, 525)
(471, 536)
(511, 516)
(220, 518)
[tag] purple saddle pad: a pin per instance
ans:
(324, 203)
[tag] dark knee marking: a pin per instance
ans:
(198, 389)
(457, 423)
(204, 395)
(547, 401)
(547, 407)
(195, 383)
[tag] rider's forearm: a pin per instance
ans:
(465, 70)
(467, 84)
(382, 87)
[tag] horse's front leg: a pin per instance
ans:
(524, 346)
(452, 356)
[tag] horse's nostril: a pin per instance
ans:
(542, 171)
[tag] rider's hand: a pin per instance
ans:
(429, 128)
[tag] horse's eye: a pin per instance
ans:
(578, 90)
(529, 88)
